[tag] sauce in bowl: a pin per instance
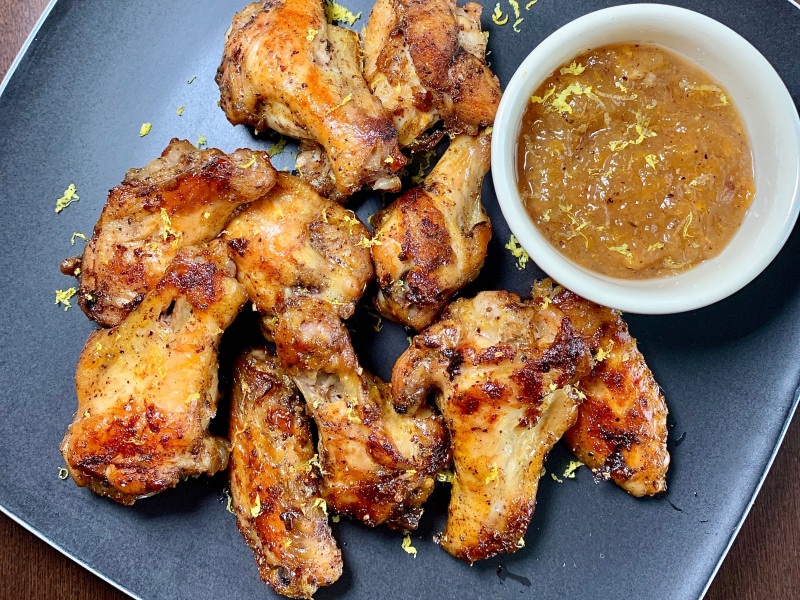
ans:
(634, 163)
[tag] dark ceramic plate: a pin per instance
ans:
(71, 112)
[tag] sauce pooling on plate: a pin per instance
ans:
(634, 162)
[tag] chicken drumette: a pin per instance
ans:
(503, 373)
(285, 68)
(184, 197)
(425, 60)
(147, 388)
(432, 241)
(275, 480)
(305, 263)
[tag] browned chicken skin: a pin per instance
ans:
(275, 480)
(432, 241)
(621, 432)
(296, 244)
(503, 372)
(285, 68)
(184, 197)
(147, 388)
(305, 263)
(424, 59)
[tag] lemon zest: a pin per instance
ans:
(320, 503)
(569, 472)
(249, 163)
(68, 198)
(622, 249)
(406, 545)
(202, 141)
(498, 17)
(651, 159)
(255, 510)
(517, 252)
(277, 148)
(516, 24)
(63, 296)
(180, 110)
(530, 4)
(166, 225)
(311, 33)
(520, 543)
(145, 129)
(553, 476)
(77, 235)
(573, 69)
(63, 473)
(445, 476)
(493, 473)
(336, 12)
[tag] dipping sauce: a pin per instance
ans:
(634, 163)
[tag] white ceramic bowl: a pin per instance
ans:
(768, 114)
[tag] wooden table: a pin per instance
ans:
(764, 562)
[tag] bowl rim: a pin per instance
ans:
(678, 293)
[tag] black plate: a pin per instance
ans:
(71, 112)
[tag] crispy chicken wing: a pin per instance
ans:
(621, 432)
(424, 59)
(275, 480)
(285, 68)
(184, 197)
(147, 388)
(503, 374)
(296, 244)
(378, 465)
(305, 263)
(432, 241)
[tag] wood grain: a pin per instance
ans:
(763, 564)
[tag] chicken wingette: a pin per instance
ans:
(275, 480)
(147, 388)
(621, 432)
(502, 372)
(184, 197)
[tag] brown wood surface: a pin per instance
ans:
(764, 563)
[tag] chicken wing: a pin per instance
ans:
(296, 244)
(184, 197)
(503, 372)
(275, 480)
(425, 60)
(305, 263)
(285, 68)
(432, 241)
(147, 388)
(621, 432)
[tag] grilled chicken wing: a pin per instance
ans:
(424, 59)
(305, 263)
(378, 466)
(275, 480)
(184, 197)
(432, 241)
(503, 373)
(296, 244)
(621, 432)
(284, 67)
(147, 388)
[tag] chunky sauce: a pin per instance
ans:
(634, 163)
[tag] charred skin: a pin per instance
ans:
(275, 480)
(378, 466)
(285, 68)
(432, 241)
(621, 432)
(502, 372)
(147, 388)
(185, 197)
(425, 60)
